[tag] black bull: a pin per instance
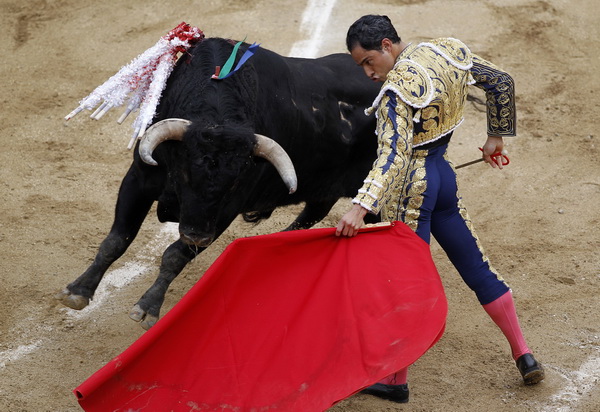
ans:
(207, 171)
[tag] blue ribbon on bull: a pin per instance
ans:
(226, 71)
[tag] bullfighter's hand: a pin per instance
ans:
(493, 144)
(351, 222)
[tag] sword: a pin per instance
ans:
(472, 162)
(498, 157)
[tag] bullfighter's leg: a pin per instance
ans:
(312, 214)
(132, 208)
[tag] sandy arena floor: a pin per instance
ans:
(538, 219)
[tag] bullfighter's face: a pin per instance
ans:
(375, 63)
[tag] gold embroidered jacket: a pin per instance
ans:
(423, 100)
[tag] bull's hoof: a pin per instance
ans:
(140, 315)
(76, 302)
(148, 322)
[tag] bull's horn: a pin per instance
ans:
(270, 150)
(168, 129)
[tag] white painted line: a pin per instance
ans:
(314, 20)
(12, 355)
(578, 384)
(113, 280)
(123, 276)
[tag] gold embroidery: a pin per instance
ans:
(429, 112)
(406, 206)
(411, 82)
(455, 51)
(500, 96)
(430, 124)
(393, 148)
(438, 95)
(449, 76)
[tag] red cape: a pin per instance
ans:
(293, 321)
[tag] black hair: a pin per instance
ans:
(369, 31)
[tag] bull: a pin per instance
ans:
(280, 131)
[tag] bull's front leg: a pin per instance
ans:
(78, 293)
(133, 205)
(174, 259)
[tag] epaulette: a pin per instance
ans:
(409, 79)
(410, 82)
(453, 50)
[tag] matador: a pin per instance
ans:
(420, 104)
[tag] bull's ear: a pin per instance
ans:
(168, 129)
(270, 150)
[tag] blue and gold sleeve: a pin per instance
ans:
(499, 90)
(394, 135)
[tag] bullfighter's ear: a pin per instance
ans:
(386, 44)
(168, 129)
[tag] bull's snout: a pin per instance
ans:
(196, 239)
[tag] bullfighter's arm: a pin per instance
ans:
(499, 90)
(395, 132)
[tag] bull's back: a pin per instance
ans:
(335, 75)
(315, 109)
(347, 79)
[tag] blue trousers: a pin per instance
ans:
(431, 205)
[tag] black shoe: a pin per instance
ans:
(394, 393)
(531, 371)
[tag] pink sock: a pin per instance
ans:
(503, 313)
(398, 378)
